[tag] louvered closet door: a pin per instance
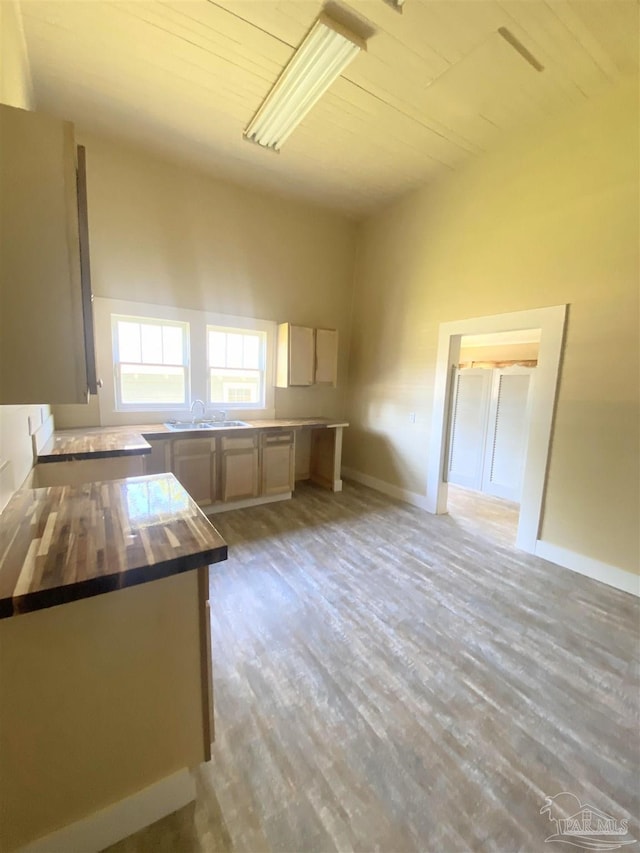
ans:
(508, 431)
(471, 393)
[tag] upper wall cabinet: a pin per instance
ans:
(46, 323)
(306, 356)
(296, 355)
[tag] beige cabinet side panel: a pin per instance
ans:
(85, 724)
(74, 473)
(42, 354)
(326, 458)
(282, 356)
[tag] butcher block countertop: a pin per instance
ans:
(109, 441)
(65, 543)
(71, 445)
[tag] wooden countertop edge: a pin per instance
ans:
(251, 427)
(43, 598)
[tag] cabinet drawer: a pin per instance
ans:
(270, 439)
(193, 446)
(239, 443)
(277, 474)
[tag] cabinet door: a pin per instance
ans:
(301, 356)
(295, 356)
(326, 356)
(277, 470)
(42, 349)
(79, 471)
(239, 468)
(194, 464)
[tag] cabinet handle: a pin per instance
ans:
(99, 383)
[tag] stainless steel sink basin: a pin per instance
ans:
(178, 426)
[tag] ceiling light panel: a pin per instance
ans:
(321, 58)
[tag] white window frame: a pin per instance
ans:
(239, 406)
(111, 413)
(150, 321)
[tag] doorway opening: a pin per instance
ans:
(494, 457)
(488, 430)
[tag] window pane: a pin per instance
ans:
(129, 341)
(151, 343)
(235, 386)
(172, 351)
(251, 358)
(234, 350)
(145, 384)
(217, 349)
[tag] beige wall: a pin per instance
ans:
(167, 234)
(551, 217)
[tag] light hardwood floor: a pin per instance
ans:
(393, 681)
(490, 518)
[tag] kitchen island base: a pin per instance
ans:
(101, 698)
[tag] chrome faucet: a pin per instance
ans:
(193, 405)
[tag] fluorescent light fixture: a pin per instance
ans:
(321, 58)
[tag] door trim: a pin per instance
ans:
(551, 322)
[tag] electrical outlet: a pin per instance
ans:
(412, 417)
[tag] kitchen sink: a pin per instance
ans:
(178, 426)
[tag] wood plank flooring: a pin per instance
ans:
(387, 680)
(490, 518)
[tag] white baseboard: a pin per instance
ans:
(611, 575)
(106, 827)
(226, 507)
(386, 488)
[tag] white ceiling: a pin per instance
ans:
(437, 84)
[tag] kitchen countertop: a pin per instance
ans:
(68, 445)
(109, 441)
(65, 543)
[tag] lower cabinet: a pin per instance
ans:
(228, 468)
(277, 468)
(239, 467)
(194, 464)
